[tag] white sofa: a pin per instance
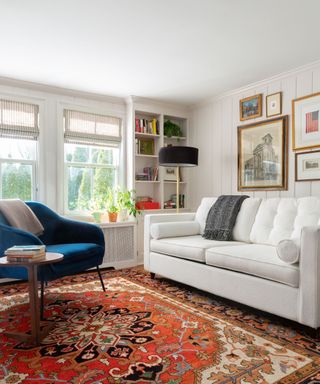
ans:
(248, 269)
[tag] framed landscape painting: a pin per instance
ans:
(262, 155)
(307, 166)
(251, 107)
(306, 122)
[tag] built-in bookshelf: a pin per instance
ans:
(150, 181)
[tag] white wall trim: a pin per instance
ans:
(10, 82)
(260, 83)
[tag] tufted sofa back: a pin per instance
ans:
(283, 218)
(268, 221)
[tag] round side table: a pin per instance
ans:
(37, 334)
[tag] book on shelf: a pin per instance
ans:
(147, 126)
(172, 203)
(148, 174)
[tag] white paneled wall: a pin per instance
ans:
(214, 131)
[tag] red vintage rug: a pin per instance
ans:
(148, 331)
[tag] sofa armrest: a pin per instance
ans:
(309, 296)
(161, 218)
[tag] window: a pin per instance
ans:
(19, 131)
(91, 157)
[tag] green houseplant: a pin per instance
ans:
(111, 205)
(171, 129)
(127, 203)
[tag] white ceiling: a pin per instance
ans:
(175, 50)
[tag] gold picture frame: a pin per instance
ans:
(251, 107)
(307, 166)
(306, 122)
(263, 155)
(274, 104)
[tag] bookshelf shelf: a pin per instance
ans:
(178, 138)
(174, 182)
(146, 135)
(147, 181)
(151, 156)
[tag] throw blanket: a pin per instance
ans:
(222, 217)
(19, 215)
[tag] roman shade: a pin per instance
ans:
(19, 120)
(91, 129)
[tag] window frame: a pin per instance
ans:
(98, 108)
(38, 174)
(78, 164)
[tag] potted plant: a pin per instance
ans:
(127, 204)
(96, 208)
(112, 207)
(171, 129)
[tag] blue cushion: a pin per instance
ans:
(3, 220)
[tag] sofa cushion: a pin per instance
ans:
(254, 259)
(188, 247)
(283, 218)
(174, 229)
(245, 218)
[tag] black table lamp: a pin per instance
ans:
(178, 156)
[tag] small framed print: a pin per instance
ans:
(251, 107)
(306, 122)
(146, 147)
(308, 166)
(170, 174)
(274, 104)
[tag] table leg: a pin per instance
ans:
(34, 303)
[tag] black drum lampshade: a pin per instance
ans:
(178, 156)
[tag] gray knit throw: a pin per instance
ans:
(222, 217)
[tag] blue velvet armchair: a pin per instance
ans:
(82, 245)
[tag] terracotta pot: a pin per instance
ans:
(113, 216)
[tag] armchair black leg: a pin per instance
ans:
(152, 275)
(41, 300)
(100, 277)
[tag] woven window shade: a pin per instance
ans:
(90, 128)
(19, 120)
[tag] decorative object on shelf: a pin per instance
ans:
(172, 203)
(146, 202)
(171, 129)
(306, 122)
(274, 104)
(178, 156)
(127, 204)
(111, 205)
(170, 174)
(145, 146)
(262, 155)
(251, 107)
(307, 166)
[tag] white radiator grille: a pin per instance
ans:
(119, 244)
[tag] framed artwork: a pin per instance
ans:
(262, 155)
(274, 104)
(306, 122)
(251, 107)
(170, 174)
(307, 166)
(146, 147)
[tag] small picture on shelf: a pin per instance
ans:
(170, 174)
(145, 147)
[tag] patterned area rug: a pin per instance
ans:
(149, 331)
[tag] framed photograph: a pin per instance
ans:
(307, 166)
(306, 122)
(146, 147)
(170, 174)
(251, 107)
(274, 104)
(262, 155)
